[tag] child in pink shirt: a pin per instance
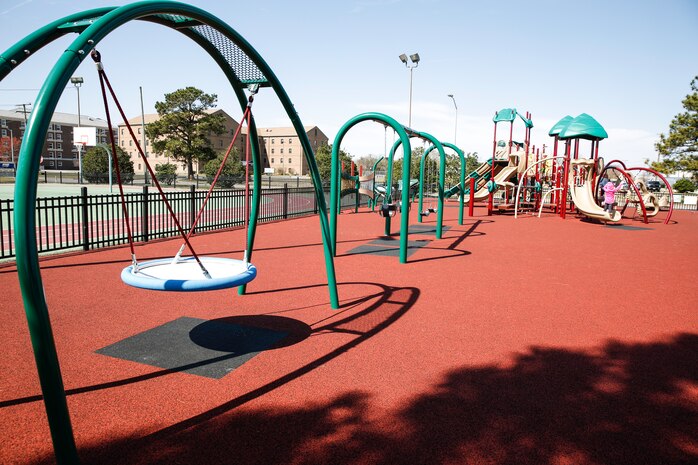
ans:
(610, 190)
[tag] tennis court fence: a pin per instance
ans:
(92, 221)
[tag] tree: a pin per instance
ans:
(95, 165)
(183, 129)
(453, 167)
(367, 161)
(232, 172)
(684, 185)
(679, 149)
(323, 158)
(166, 172)
(7, 146)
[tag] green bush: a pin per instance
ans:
(684, 185)
(95, 165)
(233, 172)
(166, 172)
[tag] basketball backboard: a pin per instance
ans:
(85, 135)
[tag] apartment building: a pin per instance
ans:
(220, 143)
(281, 148)
(282, 151)
(58, 152)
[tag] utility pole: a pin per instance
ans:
(145, 149)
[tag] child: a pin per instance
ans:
(610, 190)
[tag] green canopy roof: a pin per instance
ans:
(509, 115)
(583, 127)
(560, 125)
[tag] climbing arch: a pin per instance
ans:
(442, 172)
(242, 66)
(461, 196)
(404, 138)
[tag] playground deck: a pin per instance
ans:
(508, 341)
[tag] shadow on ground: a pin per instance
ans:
(623, 404)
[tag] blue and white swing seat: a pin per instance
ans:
(185, 274)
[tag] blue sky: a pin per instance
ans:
(627, 63)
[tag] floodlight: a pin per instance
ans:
(403, 58)
(76, 80)
(414, 57)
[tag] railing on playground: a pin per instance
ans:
(91, 221)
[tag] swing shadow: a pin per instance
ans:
(393, 302)
(297, 332)
(470, 232)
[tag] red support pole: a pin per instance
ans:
(490, 200)
(555, 176)
(565, 179)
(472, 197)
(594, 153)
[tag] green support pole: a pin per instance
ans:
(442, 179)
(421, 181)
(28, 271)
(461, 202)
(389, 183)
(373, 201)
(442, 176)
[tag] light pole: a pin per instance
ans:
(414, 58)
(12, 148)
(77, 82)
(455, 133)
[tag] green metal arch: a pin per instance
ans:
(335, 183)
(442, 174)
(92, 26)
(461, 155)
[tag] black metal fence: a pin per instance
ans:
(94, 221)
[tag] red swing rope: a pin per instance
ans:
(117, 168)
(246, 213)
(104, 79)
(245, 118)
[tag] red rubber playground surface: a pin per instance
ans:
(508, 341)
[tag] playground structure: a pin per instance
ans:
(244, 69)
(497, 172)
(581, 177)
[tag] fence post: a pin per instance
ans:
(144, 214)
(192, 206)
(285, 200)
(85, 224)
(60, 177)
(315, 209)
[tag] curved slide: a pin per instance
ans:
(583, 197)
(501, 178)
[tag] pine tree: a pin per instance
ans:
(679, 149)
